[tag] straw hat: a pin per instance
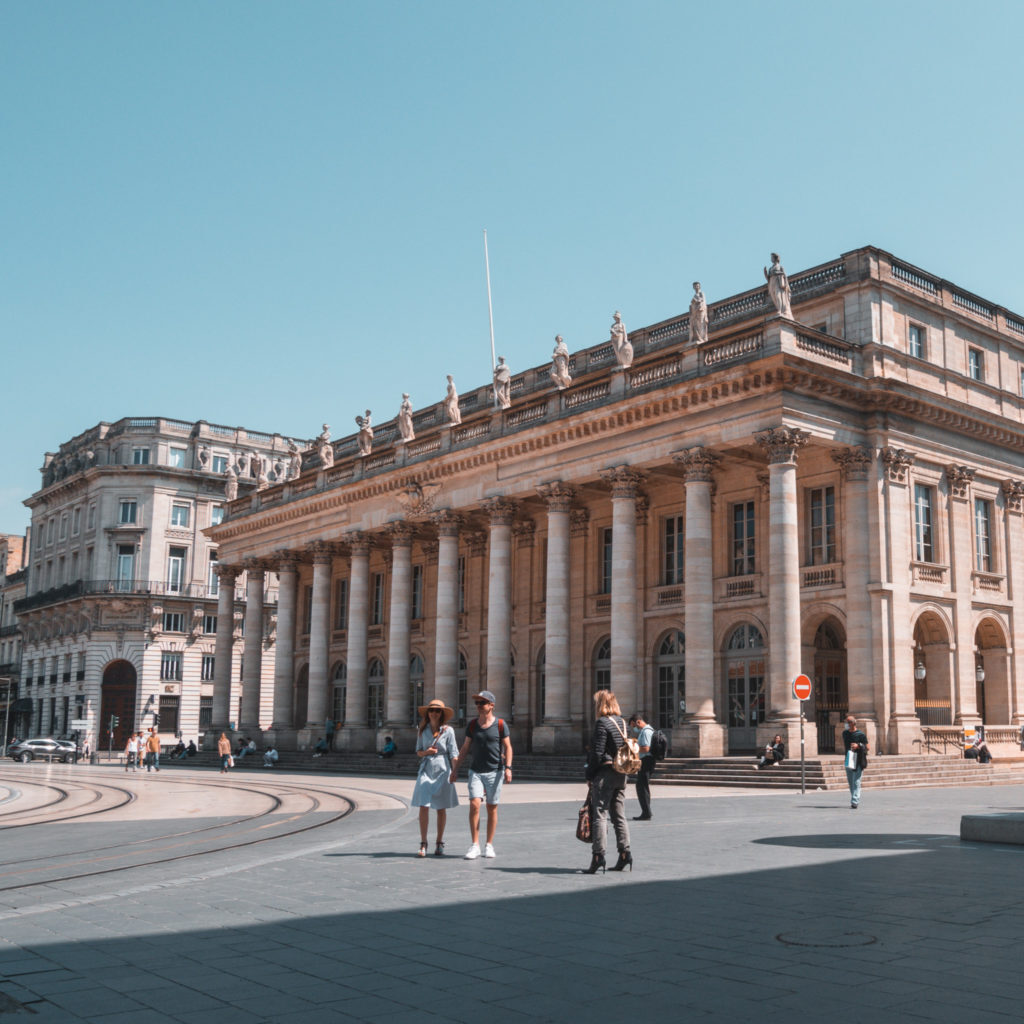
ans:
(447, 713)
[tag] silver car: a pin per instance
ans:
(46, 749)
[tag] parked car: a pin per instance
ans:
(47, 749)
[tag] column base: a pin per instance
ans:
(700, 739)
(356, 739)
(282, 737)
(903, 735)
(563, 738)
(789, 729)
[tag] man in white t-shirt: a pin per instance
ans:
(644, 734)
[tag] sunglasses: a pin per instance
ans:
(481, 703)
(434, 711)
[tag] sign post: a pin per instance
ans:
(801, 691)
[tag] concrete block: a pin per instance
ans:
(993, 828)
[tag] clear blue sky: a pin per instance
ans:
(270, 214)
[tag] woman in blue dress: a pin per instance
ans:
(436, 748)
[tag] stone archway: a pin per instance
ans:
(830, 701)
(992, 683)
(117, 699)
(933, 670)
(301, 705)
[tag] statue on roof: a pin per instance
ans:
(405, 430)
(778, 287)
(502, 384)
(324, 447)
(560, 364)
(620, 342)
(698, 315)
(451, 403)
(365, 438)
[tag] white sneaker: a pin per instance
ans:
(489, 851)
(473, 852)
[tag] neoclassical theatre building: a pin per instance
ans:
(821, 476)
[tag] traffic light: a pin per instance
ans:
(114, 722)
(156, 719)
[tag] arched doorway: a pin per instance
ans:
(745, 666)
(671, 669)
(339, 692)
(933, 671)
(301, 697)
(375, 695)
(416, 671)
(830, 691)
(117, 699)
(992, 687)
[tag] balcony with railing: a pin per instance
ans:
(127, 588)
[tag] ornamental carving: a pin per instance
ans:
(623, 480)
(286, 561)
(959, 478)
(697, 464)
(227, 574)
(401, 534)
(896, 461)
(359, 543)
(430, 548)
(322, 552)
(641, 507)
(854, 462)
(523, 532)
(558, 496)
(501, 510)
(1013, 493)
(579, 522)
(477, 542)
(417, 499)
(447, 522)
(781, 444)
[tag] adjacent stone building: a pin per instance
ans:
(831, 483)
(13, 559)
(123, 599)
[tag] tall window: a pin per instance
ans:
(417, 591)
(743, 549)
(341, 604)
(672, 550)
(64, 526)
(915, 341)
(338, 693)
(462, 583)
(975, 364)
(463, 689)
(170, 665)
(125, 566)
(603, 665)
(605, 568)
(415, 688)
(375, 695)
(176, 569)
(923, 550)
(671, 680)
(169, 705)
(205, 713)
(209, 664)
(307, 610)
(127, 513)
(76, 521)
(220, 464)
(209, 624)
(982, 535)
(377, 615)
(176, 458)
(216, 514)
(212, 579)
(174, 622)
(821, 522)
(179, 514)
(140, 456)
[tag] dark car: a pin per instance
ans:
(47, 749)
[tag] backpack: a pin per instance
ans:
(627, 757)
(659, 745)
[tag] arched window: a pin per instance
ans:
(415, 688)
(463, 696)
(375, 694)
(671, 668)
(603, 665)
(745, 672)
(338, 692)
(541, 685)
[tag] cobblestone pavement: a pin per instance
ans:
(742, 907)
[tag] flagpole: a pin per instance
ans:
(490, 310)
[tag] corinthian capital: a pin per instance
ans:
(401, 534)
(501, 510)
(322, 552)
(557, 495)
(896, 461)
(359, 543)
(1013, 493)
(854, 462)
(959, 478)
(781, 444)
(697, 464)
(447, 522)
(623, 480)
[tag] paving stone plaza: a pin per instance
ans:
(742, 906)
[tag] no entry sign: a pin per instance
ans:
(801, 688)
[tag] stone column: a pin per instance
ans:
(223, 646)
(499, 602)
(399, 626)
(446, 642)
(252, 666)
(964, 692)
(555, 734)
(1013, 495)
(892, 616)
(625, 667)
(865, 703)
(319, 640)
(284, 662)
(356, 735)
(781, 444)
(700, 734)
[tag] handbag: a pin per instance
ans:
(231, 761)
(627, 757)
(583, 823)
(851, 759)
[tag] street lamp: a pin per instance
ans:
(919, 670)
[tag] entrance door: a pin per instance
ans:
(301, 698)
(745, 668)
(117, 698)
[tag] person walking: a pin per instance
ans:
(607, 786)
(490, 766)
(131, 753)
(855, 743)
(436, 748)
(224, 749)
(152, 751)
(644, 734)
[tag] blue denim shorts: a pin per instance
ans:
(486, 785)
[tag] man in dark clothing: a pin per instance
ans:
(644, 734)
(490, 766)
(855, 743)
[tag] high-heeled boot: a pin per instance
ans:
(596, 861)
(625, 860)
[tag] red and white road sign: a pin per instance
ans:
(801, 687)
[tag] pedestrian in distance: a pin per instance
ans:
(607, 786)
(855, 743)
(152, 751)
(224, 749)
(437, 749)
(644, 734)
(774, 753)
(131, 753)
(488, 746)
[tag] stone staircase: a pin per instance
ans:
(827, 772)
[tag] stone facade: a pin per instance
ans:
(838, 494)
(123, 599)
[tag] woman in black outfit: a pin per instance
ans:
(607, 786)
